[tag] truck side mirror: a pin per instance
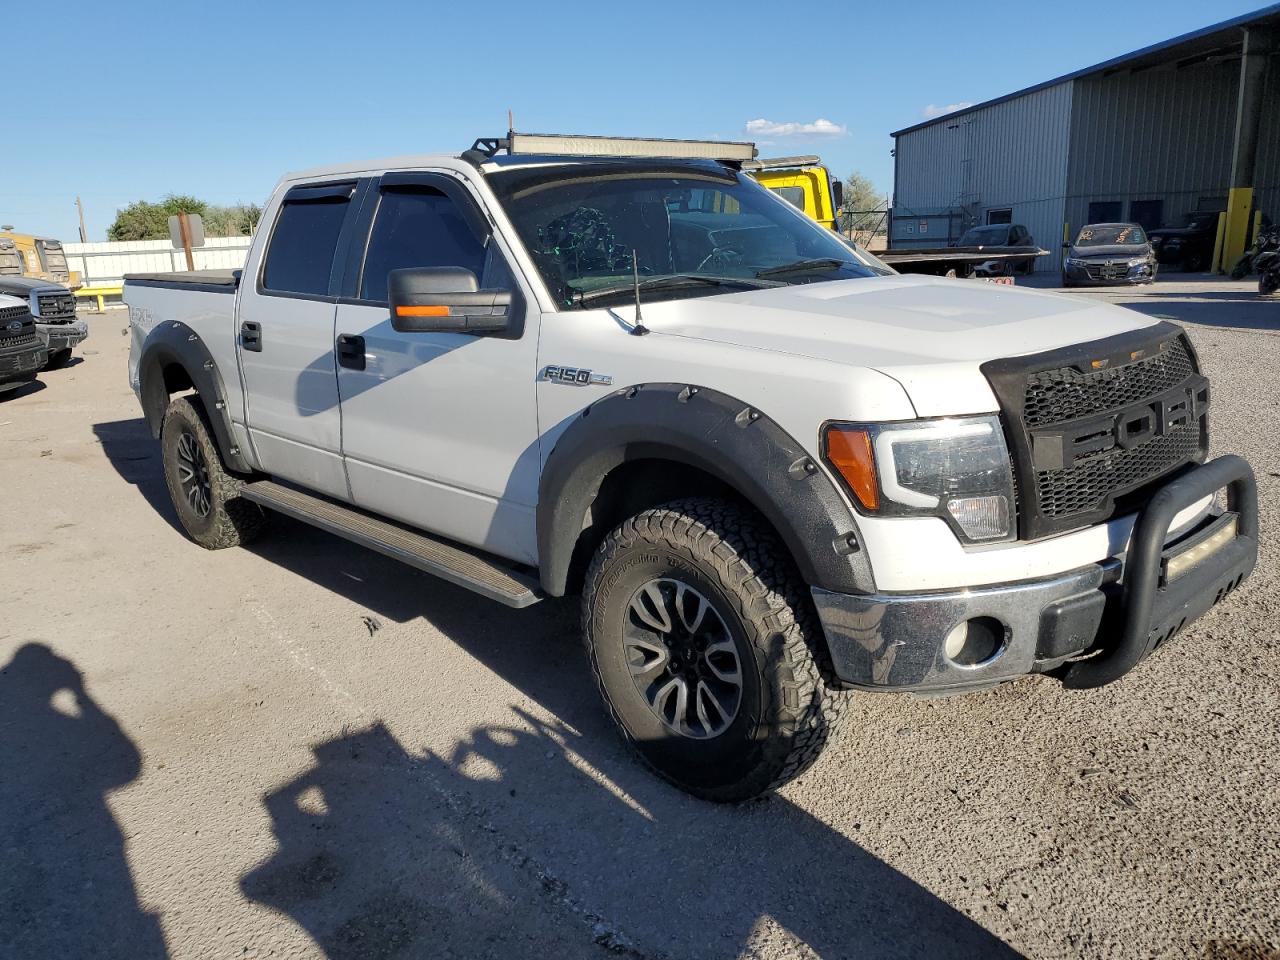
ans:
(837, 194)
(445, 300)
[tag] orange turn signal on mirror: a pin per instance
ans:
(422, 311)
(849, 451)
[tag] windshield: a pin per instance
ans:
(1111, 234)
(985, 236)
(10, 261)
(694, 231)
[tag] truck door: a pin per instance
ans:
(439, 430)
(285, 330)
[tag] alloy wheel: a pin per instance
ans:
(682, 659)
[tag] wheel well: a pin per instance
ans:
(633, 487)
(161, 381)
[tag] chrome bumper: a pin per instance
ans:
(1117, 612)
(897, 641)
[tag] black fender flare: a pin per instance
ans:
(723, 436)
(173, 342)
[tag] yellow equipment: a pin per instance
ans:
(804, 183)
(43, 258)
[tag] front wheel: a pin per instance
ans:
(1268, 282)
(706, 651)
(58, 359)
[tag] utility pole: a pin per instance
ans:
(84, 236)
(185, 226)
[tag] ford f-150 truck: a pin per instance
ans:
(54, 309)
(622, 370)
(22, 352)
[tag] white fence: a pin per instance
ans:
(105, 264)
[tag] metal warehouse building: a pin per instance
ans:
(1188, 125)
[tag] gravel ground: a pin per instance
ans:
(302, 749)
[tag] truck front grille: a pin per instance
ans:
(1093, 424)
(57, 306)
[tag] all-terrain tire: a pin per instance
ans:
(790, 703)
(216, 516)
(58, 359)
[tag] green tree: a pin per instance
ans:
(864, 207)
(144, 220)
(236, 220)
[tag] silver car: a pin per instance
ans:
(1107, 254)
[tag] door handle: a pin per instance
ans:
(251, 336)
(351, 351)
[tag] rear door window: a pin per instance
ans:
(421, 227)
(300, 256)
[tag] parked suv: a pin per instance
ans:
(53, 308)
(1189, 246)
(625, 371)
(22, 352)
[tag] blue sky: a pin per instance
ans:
(218, 100)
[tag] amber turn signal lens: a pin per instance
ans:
(850, 452)
(422, 311)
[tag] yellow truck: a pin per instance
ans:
(42, 258)
(804, 183)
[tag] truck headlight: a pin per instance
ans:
(956, 468)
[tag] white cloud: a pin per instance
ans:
(792, 128)
(933, 110)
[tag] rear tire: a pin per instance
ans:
(206, 497)
(759, 701)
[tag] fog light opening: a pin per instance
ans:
(974, 642)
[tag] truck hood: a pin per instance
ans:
(24, 286)
(928, 333)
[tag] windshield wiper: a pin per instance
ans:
(672, 281)
(802, 266)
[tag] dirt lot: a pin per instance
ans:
(305, 750)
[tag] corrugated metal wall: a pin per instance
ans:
(1163, 133)
(1267, 176)
(1009, 155)
(106, 263)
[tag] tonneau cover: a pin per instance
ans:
(217, 278)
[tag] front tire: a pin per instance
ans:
(706, 650)
(205, 496)
(58, 359)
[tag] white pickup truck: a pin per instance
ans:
(556, 366)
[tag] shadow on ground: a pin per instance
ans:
(384, 852)
(129, 447)
(65, 886)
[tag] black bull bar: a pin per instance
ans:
(1152, 608)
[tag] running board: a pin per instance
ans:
(436, 557)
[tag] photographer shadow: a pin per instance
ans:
(65, 885)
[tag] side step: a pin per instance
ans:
(436, 557)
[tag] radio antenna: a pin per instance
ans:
(638, 328)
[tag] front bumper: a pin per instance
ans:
(21, 365)
(1079, 276)
(63, 335)
(1088, 627)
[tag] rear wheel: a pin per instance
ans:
(206, 497)
(706, 651)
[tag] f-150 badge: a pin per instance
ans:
(575, 377)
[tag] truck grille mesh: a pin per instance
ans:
(57, 306)
(1056, 396)
(1083, 487)
(1083, 438)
